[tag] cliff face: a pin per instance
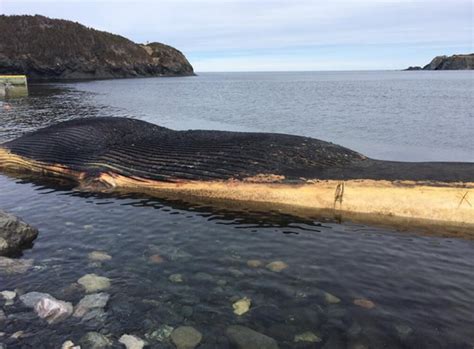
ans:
(455, 62)
(46, 49)
(171, 60)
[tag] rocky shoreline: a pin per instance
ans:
(53, 49)
(454, 62)
(90, 304)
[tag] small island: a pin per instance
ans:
(454, 62)
(53, 49)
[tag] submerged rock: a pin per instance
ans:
(72, 292)
(95, 340)
(9, 296)
(99, 256)
(245, 338)
(403, 330)
(47, 307)
(330, 298)
(156, 259)
(132, 342)
(186, 337)
(70, 345)
(170, 252)
(277, 266)
(201, 276)
(254, 263)
(91, 302)
(17, 334)
(53, 310)
(14, 233)
(15, 266)
(161, 334)
(242, 306)
(93, 283)
(308, 336)
(364, 303)
(236, 273)
(31, 298)
(176, 278)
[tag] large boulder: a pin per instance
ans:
(14, 234)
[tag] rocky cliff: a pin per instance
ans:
(454, 62)
(54, 49)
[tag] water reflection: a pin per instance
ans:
(47, 104)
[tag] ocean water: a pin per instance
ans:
(420, 286)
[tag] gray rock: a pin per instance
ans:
(72, 292)
(330, 298)
(187, 311)
(9, 297)
(277, 266)
(236, 273)
(15, 266)
(176, 278)
(161, 334)
(31, 298)
(90, 302)
(307, 336)
(69, 345)
(3, 317)
(93, 283)
(186, 337)
(403, 331)
(99, 256)
(132, 342)
(47, 307)
(14, 233)
(95, 317)
(201, 276)
(246, 338)
(53, 310)
(95, 340)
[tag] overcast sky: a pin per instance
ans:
(267, 35)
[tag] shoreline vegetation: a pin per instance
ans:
(48, 49)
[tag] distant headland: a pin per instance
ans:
(454, 62)
(55, 49)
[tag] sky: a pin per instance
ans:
(273, 35)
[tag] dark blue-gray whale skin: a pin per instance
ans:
(271, 170)
(135, 148)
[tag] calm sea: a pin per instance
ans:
(421, 286)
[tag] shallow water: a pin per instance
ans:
(422, 286)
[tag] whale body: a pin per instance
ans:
(129, 155)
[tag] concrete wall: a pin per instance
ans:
(13, 86)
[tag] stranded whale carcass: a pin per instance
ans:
(130, 155)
